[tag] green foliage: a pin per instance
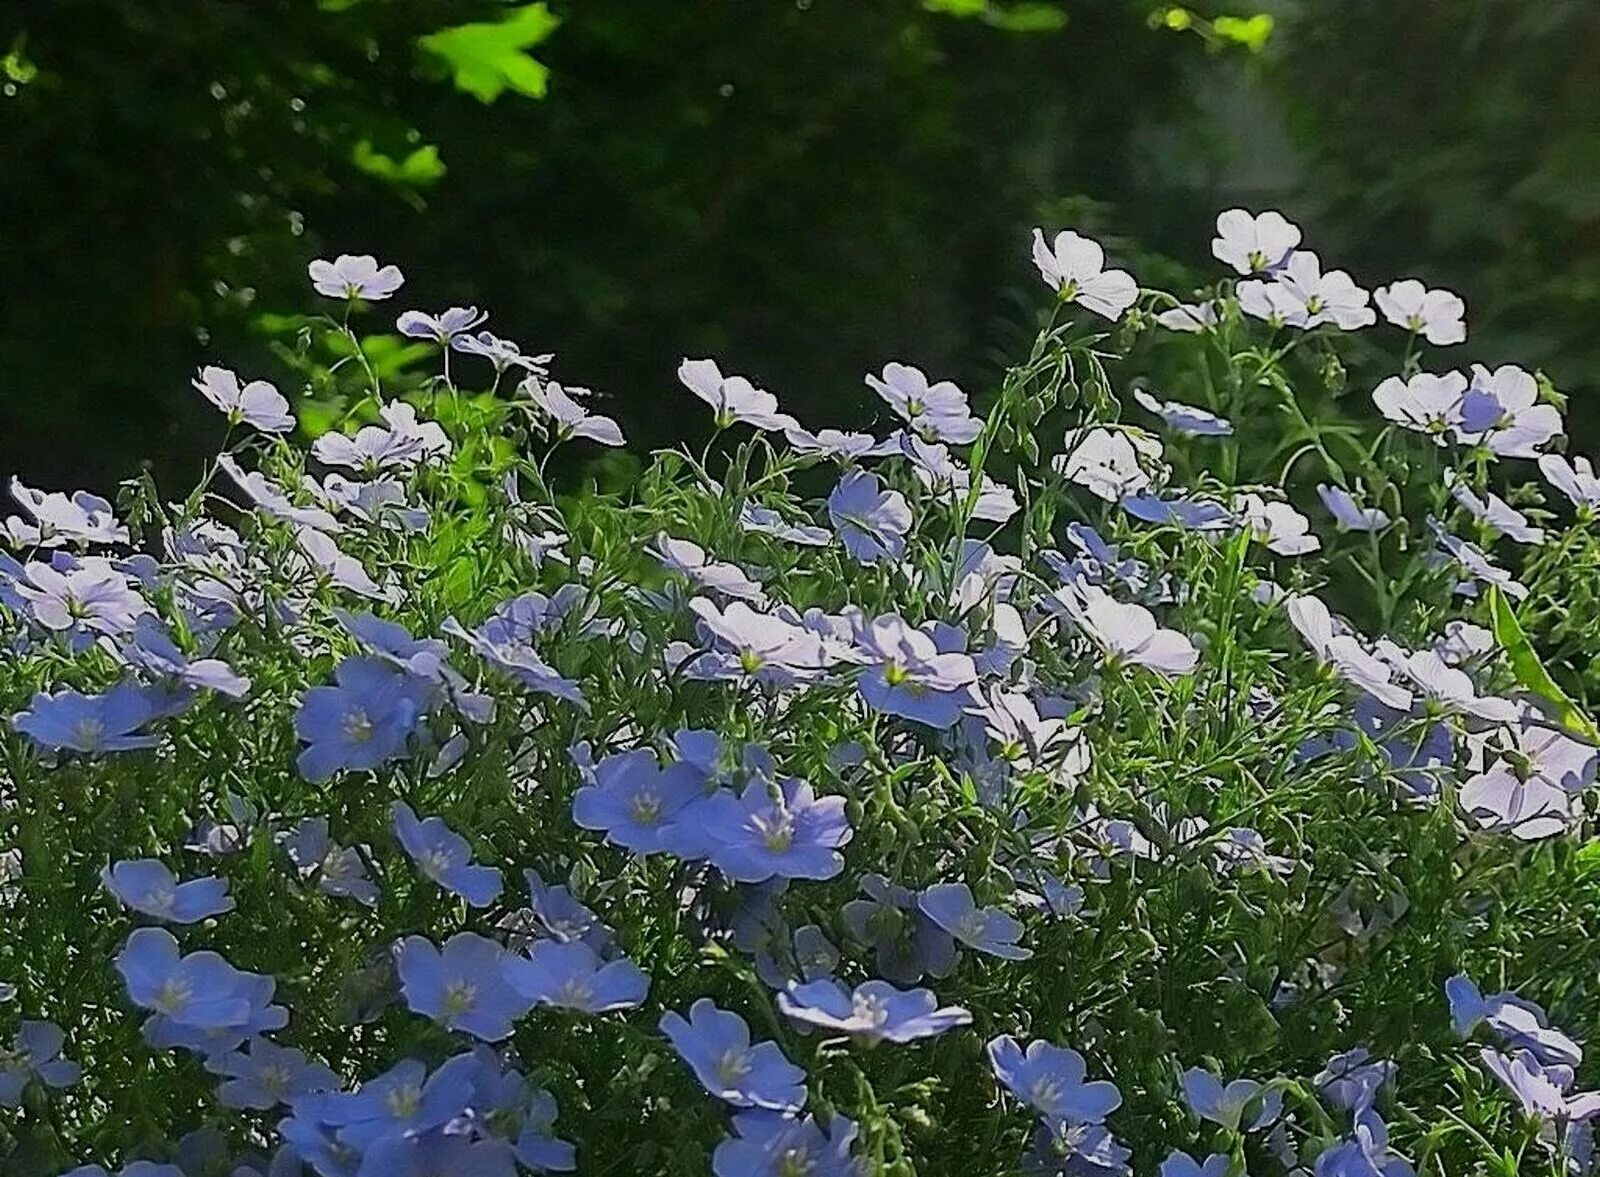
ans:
(487, 58)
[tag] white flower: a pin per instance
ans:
(1452, 689)
(569, 416)
(1254, 244)
(1463, 641)
(1277, 525)
(1323, 298)
(1436, 315)
(938, 411)
(1126, 633)
(1427, 403)
(1344, 652)
(1475, 561)
(1494, 511)
(1500, 410)
(1107, 461)
(1075, 267)
(1347, 513)
(1189, 316)
(354, 276)
(1270, 302)
(690, 560)
(733, 397)
(1574, 479)
(256, 403)
(1189, 419)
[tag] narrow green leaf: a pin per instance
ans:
(1529, 670)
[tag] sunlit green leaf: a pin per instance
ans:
(417, 170)
(1530, 671)
(488, 58)
(1250, 31)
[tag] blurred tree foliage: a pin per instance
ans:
(803, 188)
(1459, 141)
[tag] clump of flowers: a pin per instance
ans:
(1052, 777)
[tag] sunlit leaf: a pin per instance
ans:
(1529, 670)
(417, 170)
(488, 58)
(1250, 31)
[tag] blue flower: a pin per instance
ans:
(1347, 513)
(987, 929)
(633, 798)
(89, 723)
(35, 1054)
(908, 945)
(495, 644)
(263, 1075)
(1191, 514)
(444, 856)
(1050, 1079)
(1353, 1079)
(200, 990)
(562, 917)
(441, 328)
(716, 1045)
(875, 1012)
(148, 886)
(783, 831)
(872, 522)
(1076, 1150)
(439, 1154)
(1365, 1154)
(256, 403)
(361, 722)
(1519, 1023)
(1225, 1104)
(462, 986)
(153, 651)
(911, 677)
(766, 1144)
(257, 1015)
(536, 1147)
(1181, 1164)
(340, 870)
(403, 1100)
(572, 976)
(1188, 419)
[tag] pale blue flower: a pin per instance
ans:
(460, 985)
(986, 929)
(150, 887)
(444, 856)
(1050, 1079)
(256, 403)
(35, 1054)
(353, 276)
(872, 522)
(573, 976)
(716, 1045)
(875, 1011)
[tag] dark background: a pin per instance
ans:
(801, 189)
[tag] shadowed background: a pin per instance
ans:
(801, 188)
